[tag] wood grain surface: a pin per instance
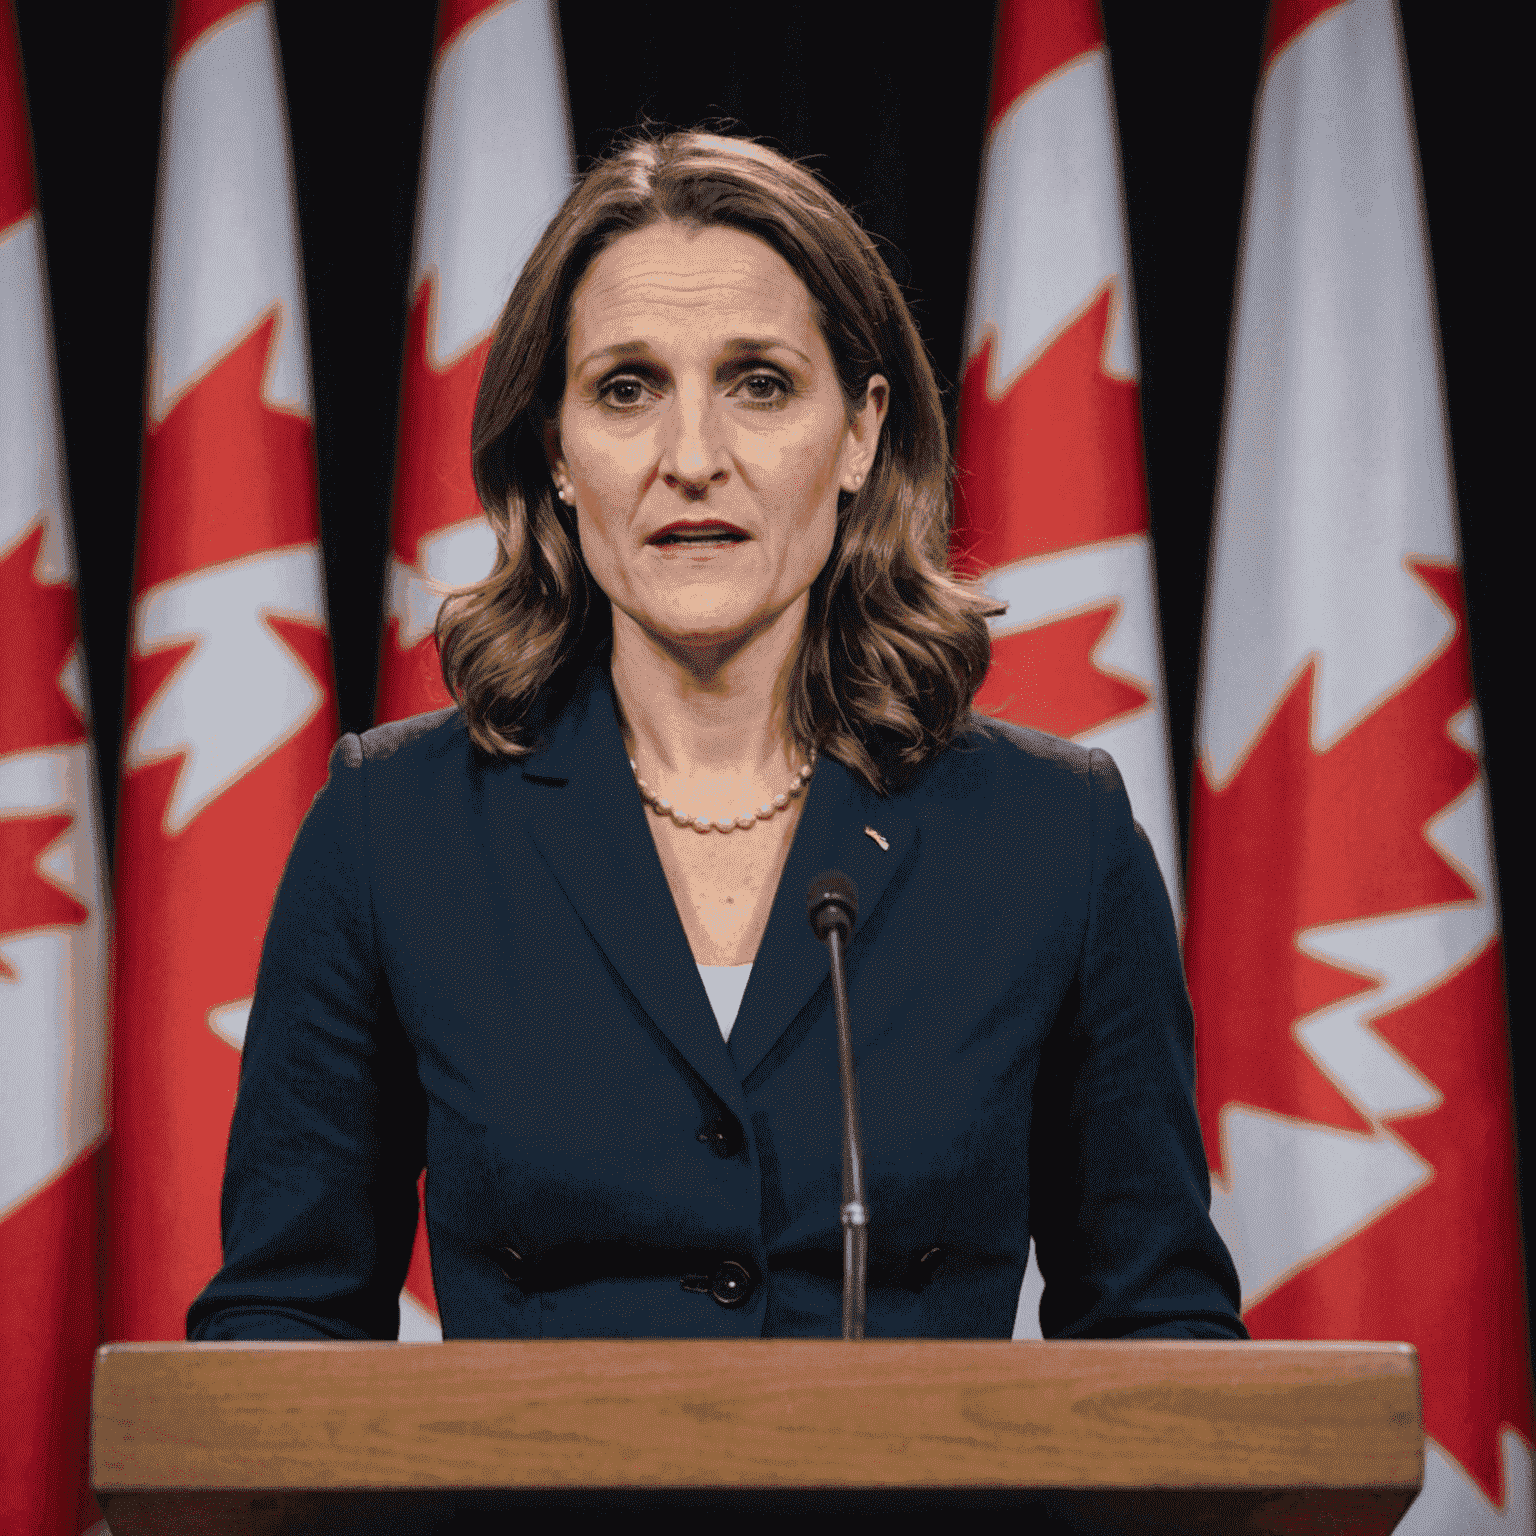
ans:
(759, 1414)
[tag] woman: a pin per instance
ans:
(552, 943)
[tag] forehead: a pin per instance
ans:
(673, 282)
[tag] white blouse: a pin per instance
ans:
(725, 985)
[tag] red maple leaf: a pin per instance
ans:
(1442, 1269)
(1056, 462)
(40, 631)
(1054, 465)
(434, 488)
(1047, 677)
(225, 474)
(29, 899)
(1299, 838)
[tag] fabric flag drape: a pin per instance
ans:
(53, 909)
(1051, 497)
(1343, 941)
(230, 713)
(496, 164)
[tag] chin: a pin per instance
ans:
(712, 628)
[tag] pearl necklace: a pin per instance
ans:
(745, 821)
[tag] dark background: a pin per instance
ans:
(893, 116)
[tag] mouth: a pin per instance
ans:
(687, 534)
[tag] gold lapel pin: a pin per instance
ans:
(870, 832)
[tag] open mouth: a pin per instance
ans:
(697, 534)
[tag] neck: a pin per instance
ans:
(715, 716)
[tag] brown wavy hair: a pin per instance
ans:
(895, 644)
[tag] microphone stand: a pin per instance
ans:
(833, 906)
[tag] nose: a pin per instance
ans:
(693, 455)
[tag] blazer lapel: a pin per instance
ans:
(791, 964)
(586, 818)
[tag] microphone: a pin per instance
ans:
(832, 904)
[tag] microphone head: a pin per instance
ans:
(832, 901)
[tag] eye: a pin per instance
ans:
(624, 392)
(762, 388)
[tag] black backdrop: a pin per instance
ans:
(893, 116)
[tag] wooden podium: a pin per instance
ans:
(1134, 1437)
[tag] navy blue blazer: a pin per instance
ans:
(477, 966)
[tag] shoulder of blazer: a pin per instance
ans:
(421, 766)
(418, 735)
(416, 756)
(1023, 813)
(995, 760)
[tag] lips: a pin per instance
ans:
(682, 533)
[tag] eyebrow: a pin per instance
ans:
(736, 348)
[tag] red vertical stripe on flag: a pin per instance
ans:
(16, 195)
(50, 1321)
(1035, 38)
(195, 17)
(454, 15)
(1287, 18)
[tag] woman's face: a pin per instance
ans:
(703, 435)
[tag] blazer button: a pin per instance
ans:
(733, 1284)
(720, 1138)
(511, 1262)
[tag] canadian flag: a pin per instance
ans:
(1343, 940)
(53, 909)
(230, 712)
(496, 165)
(1051, 492)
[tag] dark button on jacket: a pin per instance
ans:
(476, 966)
(732, 1285)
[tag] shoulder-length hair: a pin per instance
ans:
(895, 645)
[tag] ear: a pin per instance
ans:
(864, 432)
(551, 437)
